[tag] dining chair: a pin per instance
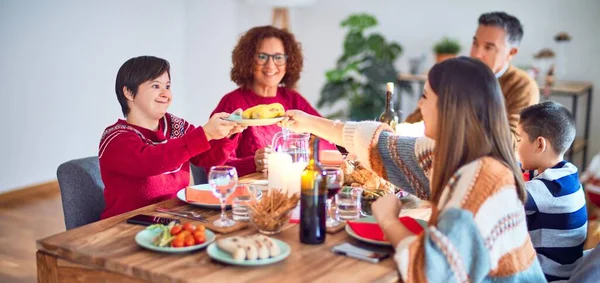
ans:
(198, 174)
(81, 190)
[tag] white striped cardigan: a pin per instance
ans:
(480, 234)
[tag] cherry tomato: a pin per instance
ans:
(189, 227)
(185, 233)
(189, 241)
(176, 229)
(199, 239)
(177, 243)
(200, 228)
(181, 236)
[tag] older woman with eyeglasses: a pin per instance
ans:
(267, 62)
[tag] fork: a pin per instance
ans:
(187, 214)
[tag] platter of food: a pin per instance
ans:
(259, 115)
(174, 238)
(253, 250)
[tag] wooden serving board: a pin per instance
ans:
(239, 225)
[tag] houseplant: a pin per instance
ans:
(446, 48)
(362, 71)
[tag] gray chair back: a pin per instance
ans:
(81, 190)
(198, 174)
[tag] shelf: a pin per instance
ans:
(412, 78)
(570, 88)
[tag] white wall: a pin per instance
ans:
(211, 34)
(58, 63)
(58, 59)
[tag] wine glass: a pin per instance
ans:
(334, 178)
(223, 181)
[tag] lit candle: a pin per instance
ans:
(294, 177)
(279, 165)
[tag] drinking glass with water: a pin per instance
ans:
(348, 203)
(223, 180)
(239, 206)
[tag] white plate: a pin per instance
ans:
(145, 238)
(206, 187)
(222, 256)
(256, 122)
(258, 183)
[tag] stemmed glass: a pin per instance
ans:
(223, 181)
(335, 179)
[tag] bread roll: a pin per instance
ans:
(250, 247)
(262, 249)
(269, 243)
(234, 247)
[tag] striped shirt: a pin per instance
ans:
(557, 219)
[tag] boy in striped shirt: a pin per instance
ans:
(555, 207)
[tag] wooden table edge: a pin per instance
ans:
(52, 268)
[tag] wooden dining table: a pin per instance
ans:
(105, 251)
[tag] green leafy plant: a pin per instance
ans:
(447, 46)
(362, 71)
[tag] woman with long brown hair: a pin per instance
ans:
(477, 231)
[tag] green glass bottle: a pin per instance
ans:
(389, 116)
(313, 195)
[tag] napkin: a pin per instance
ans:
(295, 218)
(330, 157)
(207, 197)
(372, 230)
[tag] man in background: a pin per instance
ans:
(495, 43)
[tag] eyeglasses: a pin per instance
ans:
(278, 59)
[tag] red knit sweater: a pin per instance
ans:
(140, 167)
(255, 138)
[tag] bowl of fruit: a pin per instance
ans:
(175, 237)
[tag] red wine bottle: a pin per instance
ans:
(313, 195)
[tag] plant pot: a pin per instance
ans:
(444, 56)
